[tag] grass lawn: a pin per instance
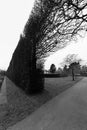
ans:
(19, 105)
(57, 85)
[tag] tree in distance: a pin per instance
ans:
(73, 63)
(83, 71)
(52, 68)
(73, 66)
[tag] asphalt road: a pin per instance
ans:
(68, 111)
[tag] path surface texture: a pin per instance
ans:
(68, 111)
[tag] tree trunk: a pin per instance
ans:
(73, 75)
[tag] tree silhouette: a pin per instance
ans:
(83, 70)
(73, 62)
(73, 66)
(53, 24)
(65, 70)
(52, 68)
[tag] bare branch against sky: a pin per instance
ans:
(59, 23)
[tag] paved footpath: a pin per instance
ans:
(68, 111)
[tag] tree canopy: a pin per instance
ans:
(53, 23)
(53, 68)
(73, 63)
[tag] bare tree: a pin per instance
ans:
(73, 63)
(73, 66)
(70, 58)
(55, 23)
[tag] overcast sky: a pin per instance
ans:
(13, 16)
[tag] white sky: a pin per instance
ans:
(13, 16)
